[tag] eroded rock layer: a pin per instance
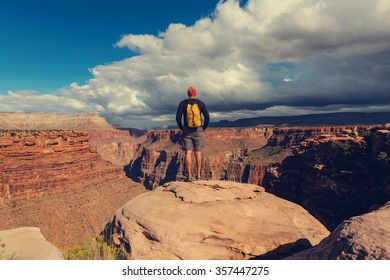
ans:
(236, 154)
(52, 180)
(335, 177)
(117, 146)
(230, 154)
(36, 164)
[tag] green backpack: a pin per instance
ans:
(193, 115)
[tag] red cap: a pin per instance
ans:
(191, 92)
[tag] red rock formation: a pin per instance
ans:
(292, 136)
(48, 162)
(334, 177)
(54, 181)
(161, 159)
(116, 146)
(240, 155)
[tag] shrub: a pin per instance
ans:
(383, 158)
(95, 249)
(342, 148)
(364, 133)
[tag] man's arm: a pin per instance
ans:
(179, 114)
(206, 116)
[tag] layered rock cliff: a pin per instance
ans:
(160, 157)
(55, 181)
(114, 145)
(335, 177)
(33, 164)
(240, 155)
(117, 146)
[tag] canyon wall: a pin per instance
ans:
(335, 178)
(236, 154)
(55, 180)
(160, 157)
(38, 163)
(116, 146)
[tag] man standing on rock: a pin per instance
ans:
(192, 130)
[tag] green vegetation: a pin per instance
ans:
(364, 133)
(94, 249)
(387, 141)
(27, 132)
(342, 148)
(383, 158)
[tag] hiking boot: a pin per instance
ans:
(188, 179)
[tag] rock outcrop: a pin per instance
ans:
(365, 237)
(211, 220)
(28, 243)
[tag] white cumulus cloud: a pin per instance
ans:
(266, 56)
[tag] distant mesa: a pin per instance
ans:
(212, 220)
(310, 119)
(47, 121)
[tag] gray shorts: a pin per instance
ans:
(193, 139)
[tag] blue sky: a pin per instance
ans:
(132, 61)
(49, 44)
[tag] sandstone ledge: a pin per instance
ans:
(211, 191)
(210, 220)
(27, 243)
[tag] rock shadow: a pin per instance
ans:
(285, 250)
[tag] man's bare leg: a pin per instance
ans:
(198, 158)
(188, 155)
